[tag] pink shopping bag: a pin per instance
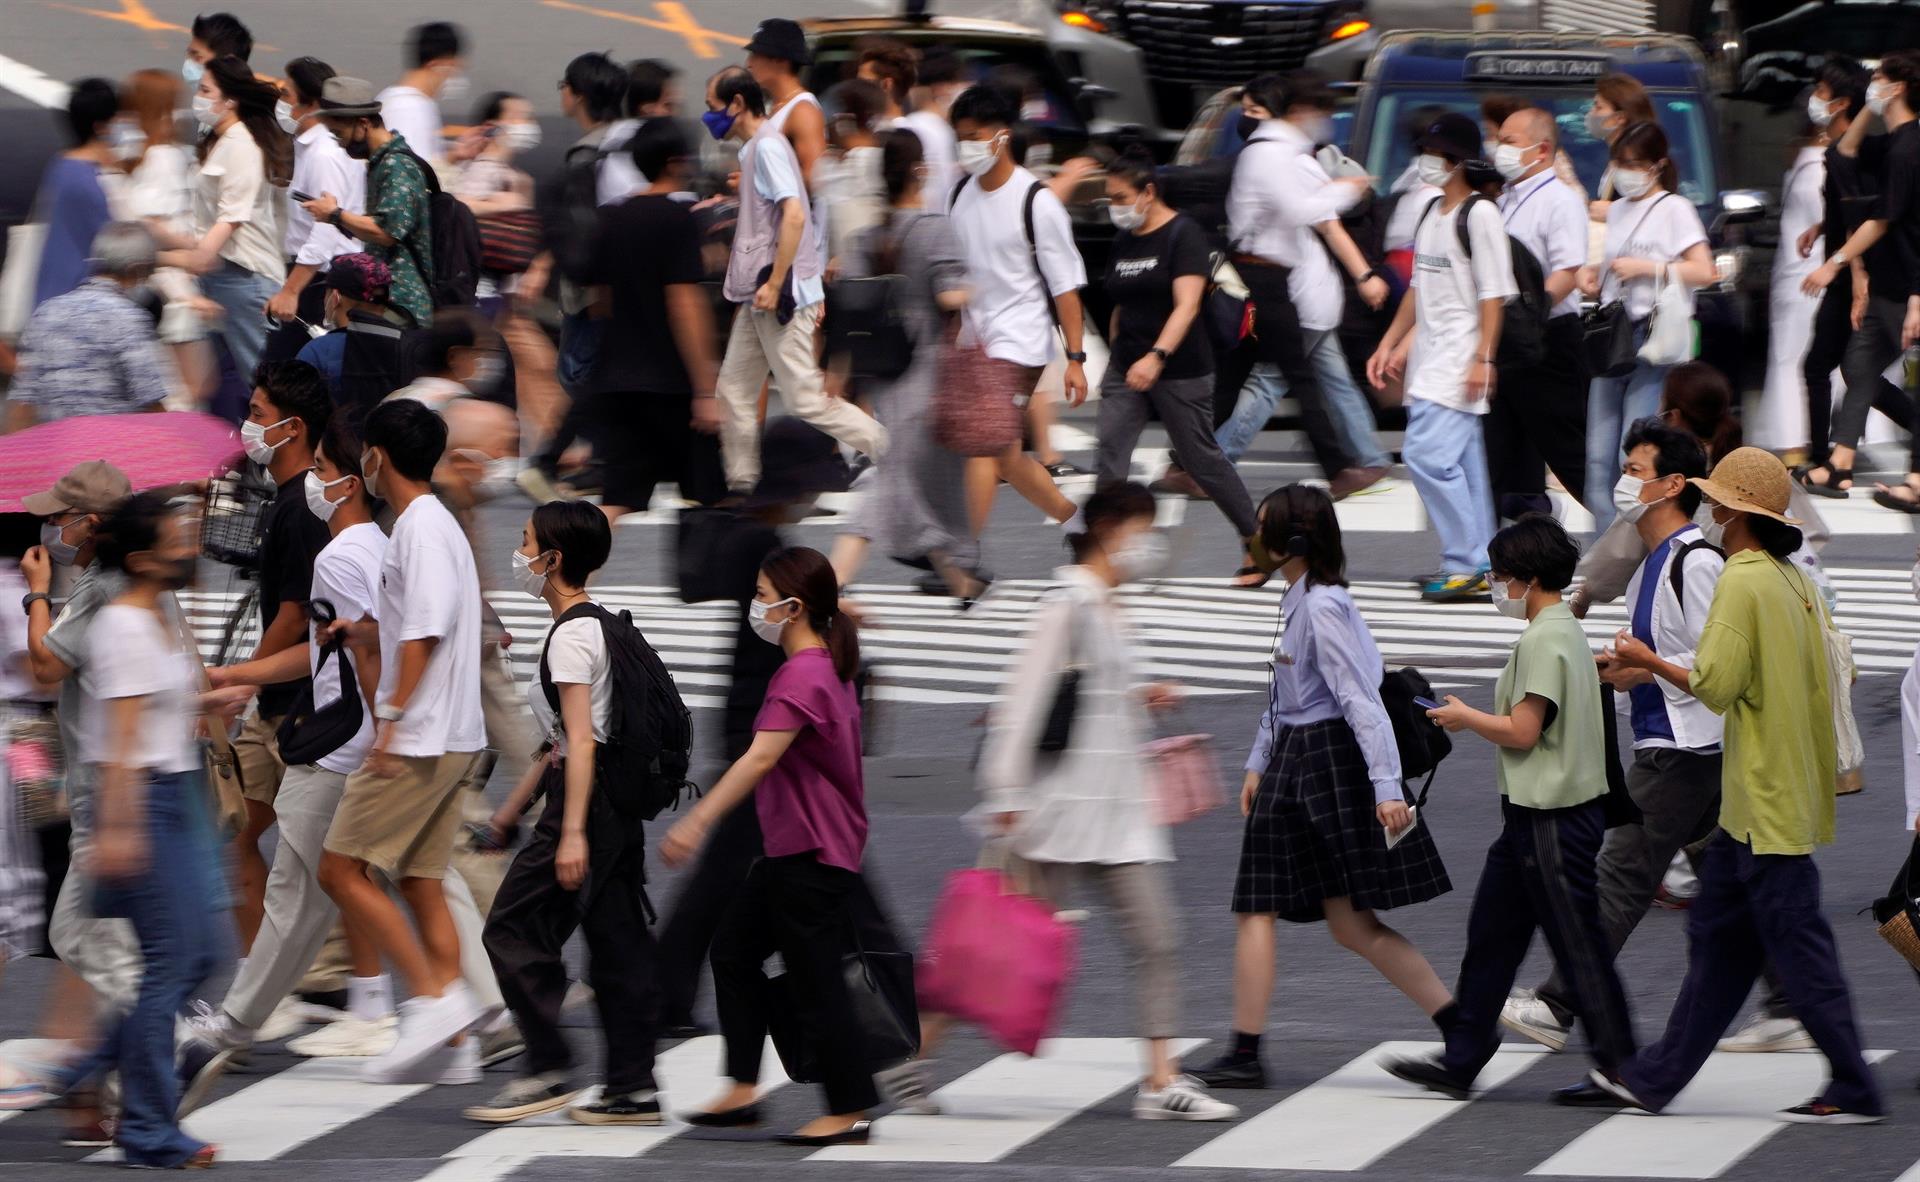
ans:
(1184, 777)
(995, 958)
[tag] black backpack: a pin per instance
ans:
(1523, 330)
(570, 212)
(1674, 576)
(1033, 243)
(642, 767)
(454, 234)
(866, 317)
(1422, 744)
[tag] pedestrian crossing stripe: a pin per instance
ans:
(1344, 1122)
(1212, 638)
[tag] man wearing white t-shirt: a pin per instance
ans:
(400, 808)
(894, 66)
(411, 108)
(1026, 276)
(1443, 340)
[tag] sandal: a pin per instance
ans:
(1830, 487)
(1890, 497)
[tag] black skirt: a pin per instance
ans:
(1313, 835)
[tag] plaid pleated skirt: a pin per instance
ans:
(1313, 836)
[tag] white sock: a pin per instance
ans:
(1077, 524)
(369, 998)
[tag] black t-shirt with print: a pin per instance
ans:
(1140, 279)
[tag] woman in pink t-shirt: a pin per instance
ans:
(803, 771)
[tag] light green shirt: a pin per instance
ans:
(1568, 765)
(1762, 663)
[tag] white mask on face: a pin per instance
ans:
(1317, 128)
(976, 157)
(54, 538)
(1126, 217)
(367, 476)
(1879, 94)
(1433, 170)
(1626, 498)
(192, 71)
(765, 629)
(1597, 124)
(283, 114)
(531, 581)
(1144, 557)
(317, 502)
(1507, 160)
(1817, 111)
(1633, 183)
(521, 137)
(254, 436)
(1715, 531)
(203, 112)
(1504, 603)
(128, 141)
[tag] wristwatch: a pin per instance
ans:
(27, 600)
(1077, 358)
(1157, 351)
(388, 713)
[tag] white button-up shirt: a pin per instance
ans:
(1676, 635)
(321, 165)
(1549, 219)
(1273, 200)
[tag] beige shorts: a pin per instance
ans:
(402, 825)
(257, 750)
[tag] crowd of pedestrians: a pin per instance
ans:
(358, 290)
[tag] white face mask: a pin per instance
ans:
(1126, 217)
(1504, 603)
(1597, 125)
(254, 436)
(1817, 111)
(1626, 498)
(975, 157)
(1715, 531)
(1507, 160)
(765, 629)
(283, 115)
(128, 141)
(1144, 557)
(1879, 94)
(1432, 170)
(203, 111)
(1317, 128)
(317, 502)
(531, 581)
(521, 137)
(54, 538)
(1633, 183)
(192, 71)
(367, 476)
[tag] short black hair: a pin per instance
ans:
(1845, 78)
(647, 80)
(91, 105)
(296, 388)
(223, 33)
(734, 82)
(657, 144)
(1775, 537)
(1109, 506)
(938, 64)
(412, 436)
(434, 41)
(493, 104)
(131, 527)
(1535, 548)
(579, 531)
(1903, 65)
(1298, 521)
(1280, 93)
(342, 449)
(449, 331)
(598, 81)
(307, 75)
(1676, 453)
(984, 106)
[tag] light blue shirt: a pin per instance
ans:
(1326, 666)
(776, 177)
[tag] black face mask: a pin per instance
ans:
(1246, 126)
(358, 148)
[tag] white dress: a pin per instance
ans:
(1782, 421)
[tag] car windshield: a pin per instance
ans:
(1683, 117)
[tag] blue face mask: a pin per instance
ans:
(719, 123)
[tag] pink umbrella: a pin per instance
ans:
(152, 449)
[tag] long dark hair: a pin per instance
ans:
(1697, 396)
(901, 156)
(798, 572)
(253, 101)
(1305, 512)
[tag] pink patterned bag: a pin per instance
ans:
(996, 958)
(1184, 777)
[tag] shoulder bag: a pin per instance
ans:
(977, 412)
(1057, 733)
(308, 735)
(1608, 328)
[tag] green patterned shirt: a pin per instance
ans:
(398, 198)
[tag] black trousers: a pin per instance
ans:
(699, 908)
(532, 919)
(1279, 341)
(1539, 875)
(1832, 329)
(649, 439)
(800, 908)
(1538, 420)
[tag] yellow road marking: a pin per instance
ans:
(132, 12)
(673, 18)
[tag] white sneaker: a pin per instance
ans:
(1183, 1099)
(464, 1067)
(286, 1020)
(353, 1038)
(1526, 1015)
(1763, 1035)
(427, 1024)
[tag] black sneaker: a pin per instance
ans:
(529, 1095)
(1229, 1071)
(629, 1108)
(1819, 1112)
(1428, 1073)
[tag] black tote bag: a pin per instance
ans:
(879, 978)
(307, 735)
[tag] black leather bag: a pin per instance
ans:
(308, 735)
(1058, 731)
(879, 979)
(1609, 332)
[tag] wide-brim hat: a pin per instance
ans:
(348, 98)
(1750, 480)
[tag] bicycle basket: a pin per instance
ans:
(231, 525)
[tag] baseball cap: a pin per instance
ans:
(93, 487)
(781, 38)
(360, 276)
(1452, 135)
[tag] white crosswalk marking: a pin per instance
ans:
(993, 1110)
(308, 1100)
(1725, 1114)
(1350, 1119)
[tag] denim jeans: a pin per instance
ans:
(242, 296)
(1446, 455)
(1351, 415)
(1614, 405)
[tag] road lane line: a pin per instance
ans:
(1351, 1118)
(31, 84)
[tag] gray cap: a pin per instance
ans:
(348, 98)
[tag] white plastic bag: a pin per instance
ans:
(1670, 334)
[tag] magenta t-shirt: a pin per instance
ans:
(814, 799)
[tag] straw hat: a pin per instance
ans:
(1750, 480)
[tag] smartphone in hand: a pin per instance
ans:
(297, 195)
(1425, 703)
(1413, 815)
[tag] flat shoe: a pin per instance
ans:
(1887, 499)
(732, 1118)
(857, 1133)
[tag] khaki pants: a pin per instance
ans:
(757, 344)
(1140, 895)
(257, 750)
